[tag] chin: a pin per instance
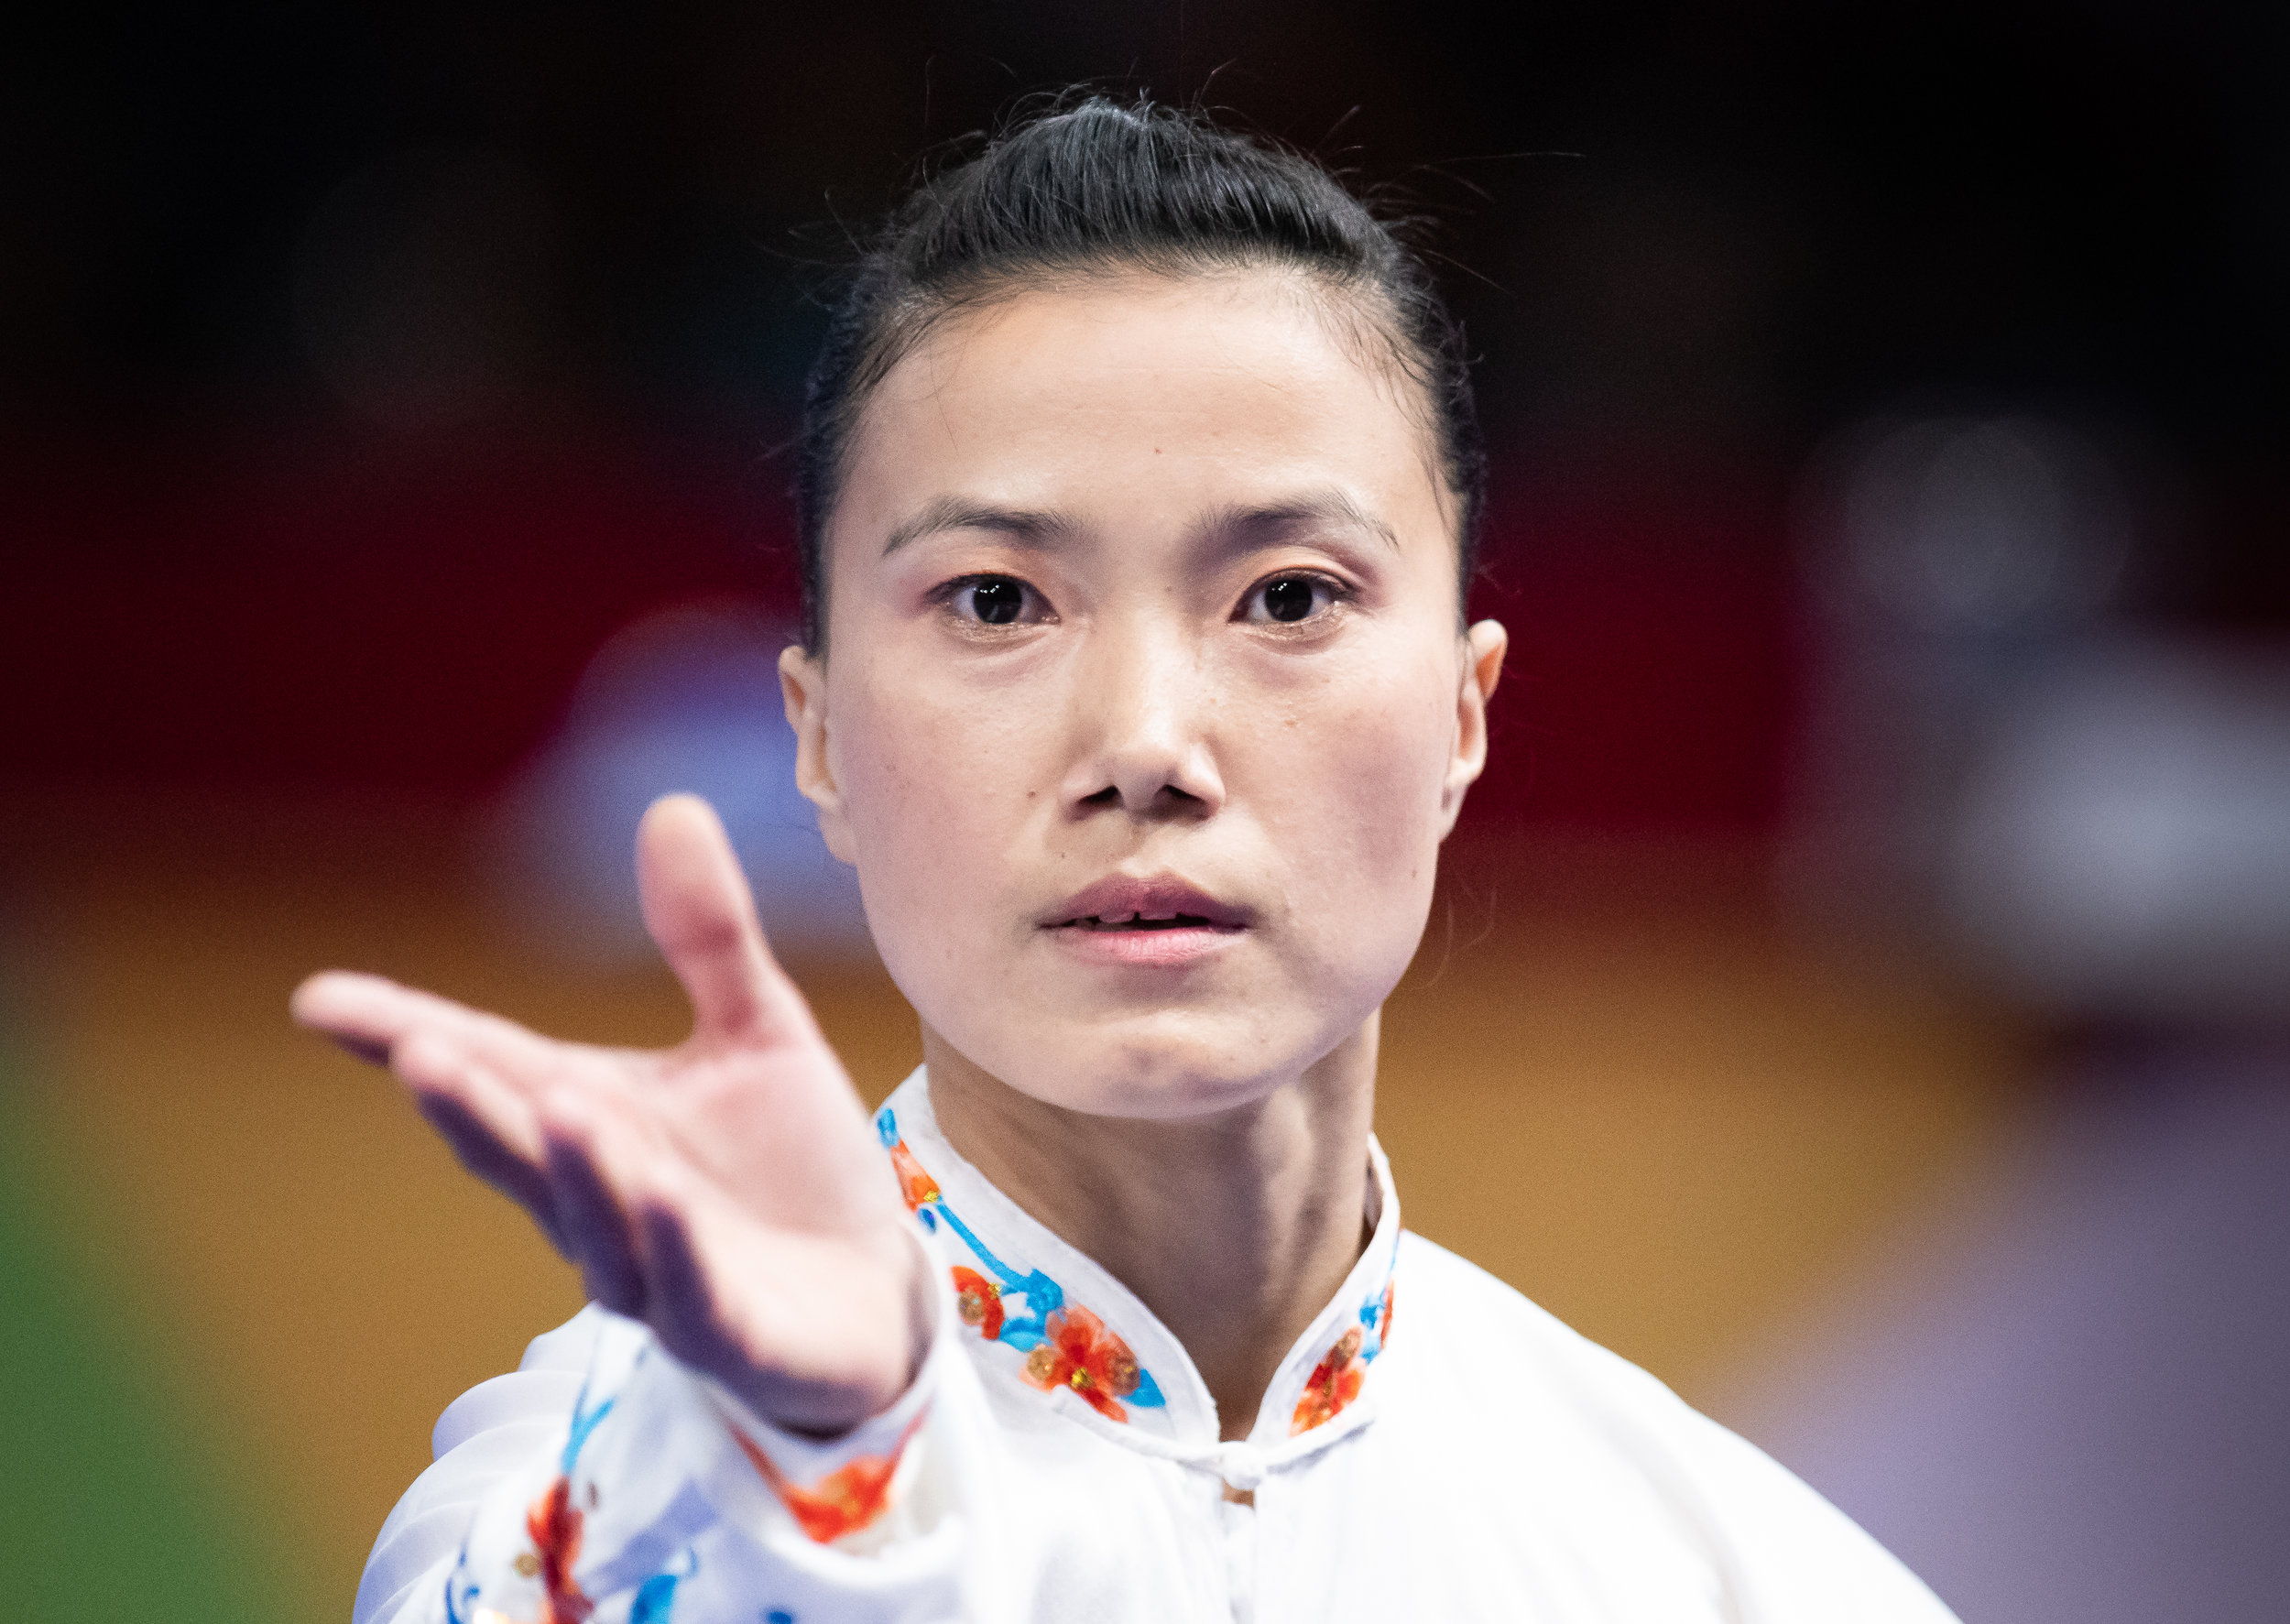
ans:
(1159, 1069)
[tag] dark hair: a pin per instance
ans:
(1093, 185)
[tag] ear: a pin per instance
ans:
(1484, 646)
(803, 688)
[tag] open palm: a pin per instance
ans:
(728, 1191)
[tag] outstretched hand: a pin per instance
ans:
(728, 1191)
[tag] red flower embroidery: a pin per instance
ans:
(979, 1302)
(915, 1185)
(1080, 1353)
(1334, 1382)
(554, 1523)
(845, 1500)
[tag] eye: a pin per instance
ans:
(994, 600)
(1292, 597)
(997, 601)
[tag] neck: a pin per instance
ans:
(1235, 1229)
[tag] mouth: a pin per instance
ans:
(1163, 902)
(1163, 920)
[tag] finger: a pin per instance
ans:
(491, 1125)
(580, 1147)
(369, 1016)
(365, 1049)
(475, 1147)
(699, 909)
(685, 1312)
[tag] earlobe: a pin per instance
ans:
(1484, 646)
(803, 690)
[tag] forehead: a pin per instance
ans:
(1129, 395)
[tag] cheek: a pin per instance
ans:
(1348, 784)
(1375, 751)
(936, 795)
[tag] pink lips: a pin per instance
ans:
(1159, 922)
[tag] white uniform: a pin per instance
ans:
(1434, 1447)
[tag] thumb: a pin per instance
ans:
(699, 909)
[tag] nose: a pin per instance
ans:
(1144, 705)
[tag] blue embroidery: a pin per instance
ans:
(1026, 1330)
(778, 1615)
(1043, 1295)
(654, 1597)
(468, 1591)
(1371, 1320)
(583, 1423)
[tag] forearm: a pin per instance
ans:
(647, 1486)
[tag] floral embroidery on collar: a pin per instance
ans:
(1066, 1346)
(1336, 1380)
(1080, 1353)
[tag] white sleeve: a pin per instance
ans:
(1790, 1557)
(1780, 1554)
(605, 1480)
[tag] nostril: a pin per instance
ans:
(1168, 799)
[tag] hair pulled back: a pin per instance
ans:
(1092, 185)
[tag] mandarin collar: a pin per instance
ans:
(1045, 1318)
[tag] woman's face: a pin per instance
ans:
(1145, 710)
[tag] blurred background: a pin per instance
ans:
(1859, 992)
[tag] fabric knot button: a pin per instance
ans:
(1241, 1465)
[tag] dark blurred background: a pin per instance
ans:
(1869, 952)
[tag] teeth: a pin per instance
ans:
(1134, 919)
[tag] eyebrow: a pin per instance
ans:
(1324, 508)
(1026, 526)
(1035, 527)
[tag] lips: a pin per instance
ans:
(1122, 905)
(1155, 926)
